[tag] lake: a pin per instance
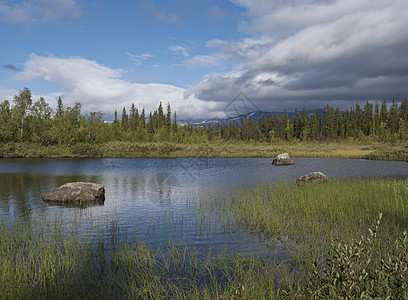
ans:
(151, 199)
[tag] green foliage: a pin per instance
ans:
(38, 123)
(360, 270)
(87, 150)
(44, 260)
(324, 229)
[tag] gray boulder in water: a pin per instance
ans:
(315, 177)
(76, 194)
(282, 160)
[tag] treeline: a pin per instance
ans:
(36, 122)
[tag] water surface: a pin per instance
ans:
(148, 197)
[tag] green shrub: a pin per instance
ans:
(361, 270)
(87, 150)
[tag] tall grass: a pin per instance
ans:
(205, 150)
(40, 260)
(300, 211)
(345, 239)
(336, 249)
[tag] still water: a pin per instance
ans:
(148, 197)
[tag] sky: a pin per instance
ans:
(202, 56)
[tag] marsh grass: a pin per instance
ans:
(344, 239)
(40, 260)
(336, 250)
(398, 151)
(343, 207)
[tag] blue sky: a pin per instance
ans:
(199, 54)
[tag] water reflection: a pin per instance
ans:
(149, 196)
(72, 205)
(21, 193)
(162, 188)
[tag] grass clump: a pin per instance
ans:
(325, 228)
(41, 260)
(344, 207)
(334, 249)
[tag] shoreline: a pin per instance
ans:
(373, 151)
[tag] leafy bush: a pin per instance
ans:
(359, 270)
(87, 150)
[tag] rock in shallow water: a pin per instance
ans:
(314, 177)
(282, 160)
(76, 194)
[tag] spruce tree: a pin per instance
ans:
(338, 124)
(60, 108)
(393, 117)
(367, 125)
(124, 120)
(384, 112)
(168, 116)
(297, 125)
(376, 119)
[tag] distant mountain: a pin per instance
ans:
(253, 115)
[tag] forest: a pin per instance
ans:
(37, 123)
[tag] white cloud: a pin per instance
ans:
(59, 8)
(303, 51)
(242, 51)
(7, 94)
(213, 12)
(179, 50)
(101, 88)
(138, 59)
(203, 60)
(215, 43)
(38, 11)
(16, 14)
(154, 14)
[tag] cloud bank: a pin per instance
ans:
(310, 53)
(100, 88)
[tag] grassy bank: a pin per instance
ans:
(344, 207)
(346, 239)
(172, 150)
(337, 248)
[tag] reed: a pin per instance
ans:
(335, 249)
(344, 238)
(344, 207)
(40, 260)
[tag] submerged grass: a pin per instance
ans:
(336, 250)
(43, 262)
(344, 207)
(345, 238)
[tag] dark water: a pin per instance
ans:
(148, 197)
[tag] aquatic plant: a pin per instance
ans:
(334, 251)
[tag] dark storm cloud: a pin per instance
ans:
(11, 68)
(317, 52)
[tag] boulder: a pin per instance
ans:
(283, 159)
(76, 194)
(315, 177)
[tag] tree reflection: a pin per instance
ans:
(21, 193)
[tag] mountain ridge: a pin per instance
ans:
(253, 115)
